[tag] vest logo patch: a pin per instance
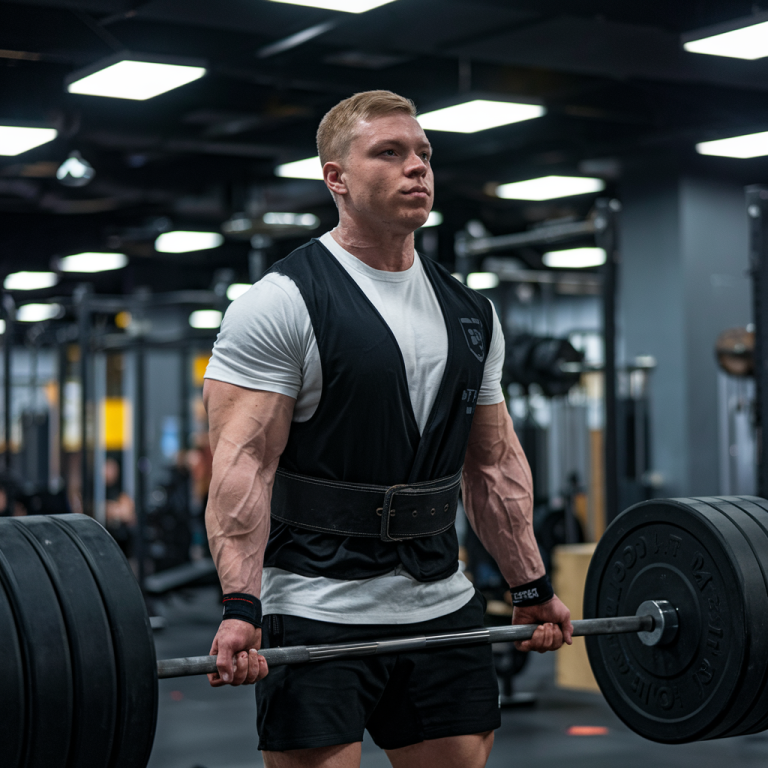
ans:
(473, 333)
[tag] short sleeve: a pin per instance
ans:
(264, 338)
(490, 390)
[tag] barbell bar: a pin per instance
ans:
(656, 620)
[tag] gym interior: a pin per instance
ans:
(601, 175)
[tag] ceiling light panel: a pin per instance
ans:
(347, 6)
(478, 115)
(137, 80)
(751, 145)
(16, 139)
(482, 281)
(205, 318)
(308, 220)
(91, 262)
(186, 242)
(309, 168)
(435, 219)
(35, 313)
(749, 42)
(575, 258)
(236, 290)
(30, 281)
(550, 188)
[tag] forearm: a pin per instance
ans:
(237, 518)
(498, 496)
(248, 432)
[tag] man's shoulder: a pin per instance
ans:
(298, 258)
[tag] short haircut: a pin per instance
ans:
(337, 128)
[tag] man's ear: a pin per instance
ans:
(334, 178)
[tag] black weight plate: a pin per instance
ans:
(132, 639)
(90, 642)
(750, 549)
(12, 696)
(666, 550)
(757, 719)
(44, 647)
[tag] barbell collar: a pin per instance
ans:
(203, 665)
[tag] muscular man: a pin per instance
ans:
(349, 393)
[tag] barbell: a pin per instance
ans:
(680, 648)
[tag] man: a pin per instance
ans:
(346, 391)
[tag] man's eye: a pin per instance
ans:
(425, 156)
(389, 152)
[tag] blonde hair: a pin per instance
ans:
(337, 128)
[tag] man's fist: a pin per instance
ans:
(555, 629)
(236, 645)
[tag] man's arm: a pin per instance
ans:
(497, 490)
(248, 433)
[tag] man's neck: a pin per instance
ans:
(386, 251)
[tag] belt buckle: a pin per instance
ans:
(387, 512)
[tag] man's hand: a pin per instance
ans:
(555, 629)
(236, 644)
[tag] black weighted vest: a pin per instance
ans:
(364, 429)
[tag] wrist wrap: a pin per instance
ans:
(532, 593)
(238, 605)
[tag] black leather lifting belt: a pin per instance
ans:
(394, 513)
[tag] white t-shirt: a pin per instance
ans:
(267, 342)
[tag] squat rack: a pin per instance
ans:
(87, 306)
(602, 225)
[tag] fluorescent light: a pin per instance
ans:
(482, 281)
(92, 262)
(30, 281)
(35, 313)
(308, 220)
(550, 188)
(236, 290)
(184, 242)
(301, 169)
(749, 42)
(575, 258)
(131, 79)
(348, 6)
(751, 145)
(478, 115)
(205, 318)
(2, 326)
(435, 219)
(14, 139)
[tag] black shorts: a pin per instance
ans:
(401, 699)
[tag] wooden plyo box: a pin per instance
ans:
(569, 565)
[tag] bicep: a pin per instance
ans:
(490, 390)
(252, 421)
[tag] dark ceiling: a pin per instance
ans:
(613, 76)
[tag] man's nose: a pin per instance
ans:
(416, 165)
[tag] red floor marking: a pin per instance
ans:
(587, 730)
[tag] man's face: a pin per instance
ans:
(387, 172)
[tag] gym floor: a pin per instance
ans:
(199, 727)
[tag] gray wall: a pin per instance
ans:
(683, 281)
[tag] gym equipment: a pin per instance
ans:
(680, 650)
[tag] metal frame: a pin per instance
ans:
(87, 304)
(602, 224)
(757, 210)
